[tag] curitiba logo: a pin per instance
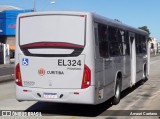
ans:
(41, 72)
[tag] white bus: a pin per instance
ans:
(77, 57)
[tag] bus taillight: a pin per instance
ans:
(86, 77)
(18, 75)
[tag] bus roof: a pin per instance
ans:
(96, 17)
(118, 24)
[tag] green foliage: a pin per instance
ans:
(145, 28)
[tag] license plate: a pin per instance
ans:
(50, 95)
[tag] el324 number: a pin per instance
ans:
(62, 62)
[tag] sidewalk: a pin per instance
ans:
(6, 78)
(7, 72)
(153, 55)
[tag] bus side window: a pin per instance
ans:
(97, 54)
(140, 44)
(121, 41)
(96, 33)
(126, 39)
(114, 43)
(103, 42)
(136, 43)
(144, 44)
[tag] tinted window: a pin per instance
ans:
(144, 44)
(127, 43)
(140, 44)
(103, 42)
(115, 40)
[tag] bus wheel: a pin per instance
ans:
(145, 76)
(145, 73)
(117, 96)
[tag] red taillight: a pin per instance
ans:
(22, 17)
(86, 77)
(18, 75)
(82, 15)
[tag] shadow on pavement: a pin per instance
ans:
(69, 109)
(47, 108)
(129, 90)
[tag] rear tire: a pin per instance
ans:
(117, 96)
(145, 72)
(145, 76)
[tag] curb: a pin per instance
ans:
(7, 78)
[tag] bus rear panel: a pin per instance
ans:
(51, 60)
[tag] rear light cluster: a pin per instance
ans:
(18, 75)
(22, 17)
(86, 82)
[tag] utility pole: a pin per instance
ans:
(34, 7)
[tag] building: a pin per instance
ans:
(4, 8)
(8, 16)
(155, 45)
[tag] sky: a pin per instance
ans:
(135, 13)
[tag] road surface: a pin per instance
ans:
(140, 97)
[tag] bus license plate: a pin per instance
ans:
(50, 95)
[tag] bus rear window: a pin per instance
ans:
(52, 28)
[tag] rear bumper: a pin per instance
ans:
(85, 96)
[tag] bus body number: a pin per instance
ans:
(62, 62)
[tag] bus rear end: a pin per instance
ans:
(50, 58)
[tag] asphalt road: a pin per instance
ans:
(6, 69)
(6, 72)
(140, 97)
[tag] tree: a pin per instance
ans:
(145, 28)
